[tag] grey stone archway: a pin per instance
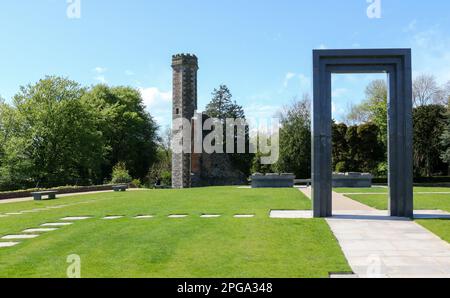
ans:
(396, 63)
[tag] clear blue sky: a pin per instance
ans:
(261, 49)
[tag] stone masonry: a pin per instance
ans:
(196, 170)
(185, 67)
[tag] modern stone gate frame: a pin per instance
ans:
(397, 64)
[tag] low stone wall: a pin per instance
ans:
(68, 190)
(359, 180)
(273, 181)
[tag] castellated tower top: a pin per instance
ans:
(184, 59)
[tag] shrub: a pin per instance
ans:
(166, 178)
(382, 169)
(136, 183)
(341, 167)
(120, 174)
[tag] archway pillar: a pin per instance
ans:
(396, 63)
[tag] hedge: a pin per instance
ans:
(418, 180)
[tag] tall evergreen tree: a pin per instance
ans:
(445, 141)
(429, 123)
(222, 106)
(295, 139)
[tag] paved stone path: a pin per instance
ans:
(377, 245)
(341, 202)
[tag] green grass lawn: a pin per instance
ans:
(421, 202)
(162, 247)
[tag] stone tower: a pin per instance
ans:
(185, 67)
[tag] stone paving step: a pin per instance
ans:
(178, 216)
(19, 237)
(39, 230)
(113, 217)
(56, 224)
(8, 244)
(291, 214)
(244, 216)
(144, 217)
(75, 218)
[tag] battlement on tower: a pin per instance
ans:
(184, 59)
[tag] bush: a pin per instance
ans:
(417, 180)
(166, 178)
(382, 169)
(341, 167)
(136, 183)
(120, 174)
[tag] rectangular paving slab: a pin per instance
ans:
(8, 244)
(74, 218)
(244, 216)
(56, 224)
(291, 214)
(112, 217)
(144, 216)
(39, 230)
(19, 237)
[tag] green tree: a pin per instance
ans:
(370, 149)
(120, 174)
(340, 147)
(295, 139)
(445, 140)
(257, 166)
(357, 148)
(51, 136)
(128, 130)
(162, 168)
(353, 142)
(373, 108)
(429, 123)
(223, 107)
